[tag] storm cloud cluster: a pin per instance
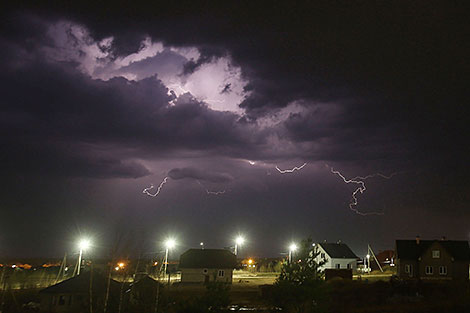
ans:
(197, 91)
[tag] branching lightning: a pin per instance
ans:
(146, 190)
(362, 187)
(292, 170)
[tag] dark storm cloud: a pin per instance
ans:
(362, 87)
(195, 173)
(63, 122)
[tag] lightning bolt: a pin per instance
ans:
(146, 190)
(216, 193)
(292, 170)
(362, 187)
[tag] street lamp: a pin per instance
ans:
(238, 242)
(83, 245)
(292, 248)
(169, 244)
(368, 262)
(202, 245)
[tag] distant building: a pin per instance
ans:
(336, 256)
(207, 265)
(73, 295)
(432, 259)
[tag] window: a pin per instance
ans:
(221, 273)
(348, 266)
(442, 270)
(338, 266)
(436, 254)
(70, 300)
(409, 269)
(61, 300)
(429, 270)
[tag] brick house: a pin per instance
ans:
(432, 259)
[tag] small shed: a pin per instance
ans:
(207, 265)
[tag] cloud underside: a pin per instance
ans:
(96, 107)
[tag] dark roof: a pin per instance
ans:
(208, 258)
(338, 250)
(410, 250)
(81, 284)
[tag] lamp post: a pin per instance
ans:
(83, 244)
(292, 248)
(202, 245)
(368, 262)
(169, 244)
(238, 242)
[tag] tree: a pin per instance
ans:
(300, 286)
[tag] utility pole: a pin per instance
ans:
(371, 252)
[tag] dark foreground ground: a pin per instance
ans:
(338, 297)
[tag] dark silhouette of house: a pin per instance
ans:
(142, 295)
(73, 295)
(432, 259)
(207, 265)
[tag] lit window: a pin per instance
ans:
(221, 273)
(436, 254)
(429, 270)
(442, 270)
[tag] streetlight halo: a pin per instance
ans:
(239, 240)
(292, 247)
(84, 244)
(170, 243)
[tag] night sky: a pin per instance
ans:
(99, 103)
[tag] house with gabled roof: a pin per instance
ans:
(78, 293)
(336, 256)
(207, 265)
(432, 259)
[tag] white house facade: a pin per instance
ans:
(336, 256)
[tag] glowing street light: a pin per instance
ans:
(202, 245)
(238, 242)
(368, 262)
(292, 248)
(170, 243)
(83, 244)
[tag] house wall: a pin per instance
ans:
(445, 259)
(71, 303)
(331, 262)
(400, 266)
(456, 270)
(197, 275)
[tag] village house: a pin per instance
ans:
(432, 259)
(207, 265)
(74, 294)
(336, 256)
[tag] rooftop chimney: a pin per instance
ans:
(417, 240)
